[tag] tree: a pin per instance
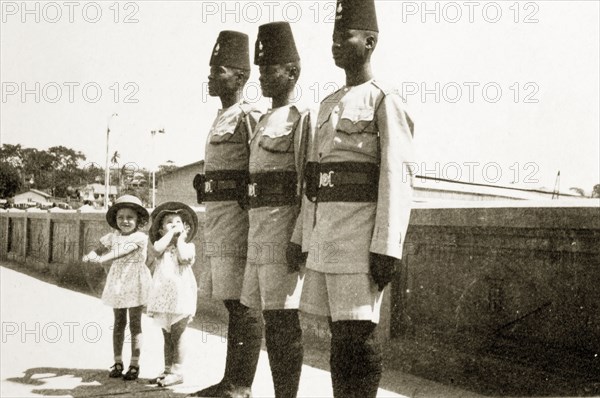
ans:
(10, 181)
(38, 166)
(136, 183)
(90, 173)
(65, 158)
(596, 191)
(578, 191)
(54, 169)
(12, 154)
(166, 168)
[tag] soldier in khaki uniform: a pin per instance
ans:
(275, 153)
(223, 189)
(357, 205)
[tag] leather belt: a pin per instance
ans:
(221, 186)
(342, 182)
(274, 188)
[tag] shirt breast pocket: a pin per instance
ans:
(278, 139)
(356, 132)
(226, 135)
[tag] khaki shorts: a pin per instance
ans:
(221, 278)
(343, 297)
(271, 287)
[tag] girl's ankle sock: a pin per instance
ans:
(176, 368)
(134, 361)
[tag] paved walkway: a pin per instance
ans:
(58, 342)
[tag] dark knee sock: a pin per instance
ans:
(244, 337)
(356, 359)
(283, 336)
(119, 333)
(135, 328)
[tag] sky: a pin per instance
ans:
(500, 92)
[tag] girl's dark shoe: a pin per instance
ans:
(116, 370)
(132, 373)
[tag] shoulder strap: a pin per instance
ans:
(246, 108)
(331, 95)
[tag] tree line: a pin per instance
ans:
(60, 171)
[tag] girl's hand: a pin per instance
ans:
(91, 257)
(183, 235)
(174, 231)
(95, 260)
(179, 228)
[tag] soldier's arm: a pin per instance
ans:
(301, 142)
(395, 179)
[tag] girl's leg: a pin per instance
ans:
(175, 377)
(135, 328)
(119, 333)
(178, 345)
(168, 350)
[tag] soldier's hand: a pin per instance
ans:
(383, 269)
(294, 257)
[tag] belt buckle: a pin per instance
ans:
(252, 190)
(208, 188)
(325, 179)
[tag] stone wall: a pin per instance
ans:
(473, 278)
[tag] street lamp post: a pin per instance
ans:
(107, 170)
(155, 166)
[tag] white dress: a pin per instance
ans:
(129, 278)
(174, 289)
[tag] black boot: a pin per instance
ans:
(283, 336)
(355, 359)
(244, 337)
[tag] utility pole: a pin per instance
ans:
(155, 166)
(107, 170)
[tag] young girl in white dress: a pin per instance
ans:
(172, 300)
(128, 280)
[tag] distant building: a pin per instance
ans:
(31, 198)
(177, 184)
(95, 192)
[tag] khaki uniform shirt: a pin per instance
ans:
(226, 227)
(364, 123)
(276, 146)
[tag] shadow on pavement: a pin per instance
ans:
(499, 369)
(87, 383)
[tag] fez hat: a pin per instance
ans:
(127, 201)
(188, 216)
(231, 49)
(275, 45)
(356, 14)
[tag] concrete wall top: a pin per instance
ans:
(572, 214)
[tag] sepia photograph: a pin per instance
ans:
(309, 198)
